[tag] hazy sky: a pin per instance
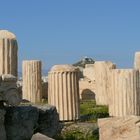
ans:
(63, 31)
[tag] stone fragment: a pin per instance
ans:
(120, 128)
(39, 136)
(8, 78)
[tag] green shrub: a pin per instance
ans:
(77, 135)
(91, 112)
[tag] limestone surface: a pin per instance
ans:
(120, 128)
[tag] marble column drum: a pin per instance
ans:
(125, 90)
(8, 53)
(64, 91)
(102, 78)
(137, 60)
(32, 87)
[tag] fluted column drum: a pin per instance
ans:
(102, 78)
(8, 53)
(32, 87)
(125, 90)
(64, 91)
(137, 60)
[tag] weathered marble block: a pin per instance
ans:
(120, 128)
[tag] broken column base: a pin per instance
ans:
(119, 128)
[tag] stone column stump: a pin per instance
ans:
(102, 78)
(64, 91)
(32, 87)
(125, 93)
(8, 53)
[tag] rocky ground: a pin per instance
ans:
(32, 122)
(22, 122)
